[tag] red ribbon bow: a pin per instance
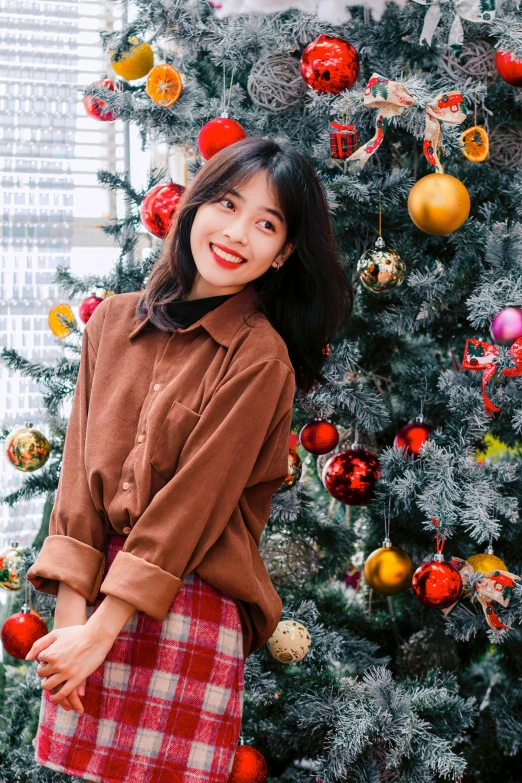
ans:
(479, 355)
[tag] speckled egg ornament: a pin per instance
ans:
(290, 642)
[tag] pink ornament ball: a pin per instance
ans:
(506, 327)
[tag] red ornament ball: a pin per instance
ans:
(437, 584)
(217, 134)
(509, 68)
(412, 436)
(20, 632)
(350, 476)
(249, 766)
(158, 208)
(88, 306)
(319, 436)
(330, 64)
(94, 106)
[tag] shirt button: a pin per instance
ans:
(126, 530)
(140, 438)
(125, 485)
(156, 386)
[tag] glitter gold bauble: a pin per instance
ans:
(486, 562)
(475, 144)
(27, 449)
(136, 62)
(290, 642)
(381, 268)
(9, 567)
(58, 327)
(439, 204)
(388, 570)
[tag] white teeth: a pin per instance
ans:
(226, 256)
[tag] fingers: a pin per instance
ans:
(65, 703)
(41, 644)
(52, 681)
(74, 700)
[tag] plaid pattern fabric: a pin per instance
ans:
(166, 704)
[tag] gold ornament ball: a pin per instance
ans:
(388, 570)
(381, 268)
(9, 567)
(439, 204)
(485, 562)
(290, 642)
(27, 449)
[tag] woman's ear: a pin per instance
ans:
(287, 250)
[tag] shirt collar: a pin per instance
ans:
(221, 323)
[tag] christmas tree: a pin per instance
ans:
(399, 683)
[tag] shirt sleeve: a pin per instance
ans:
(74, 550)
(240, 439)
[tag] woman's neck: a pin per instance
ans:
(202, 289)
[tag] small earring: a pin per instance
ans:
(278, 265)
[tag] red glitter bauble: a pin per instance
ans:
(330, 64)
(509, 68)
(437, 584)
(88, 306)
(319, 436)
(20, 632)
(249, 766)
(94, 106)
(412, 436)
(217, 134)
(350, 476)
(158, 207)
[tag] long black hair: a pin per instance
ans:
(309, 300)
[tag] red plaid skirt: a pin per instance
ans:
(166, 704)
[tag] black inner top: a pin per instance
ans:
(185, 312)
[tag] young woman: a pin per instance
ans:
(177, 441)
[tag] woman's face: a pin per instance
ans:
(235, 240)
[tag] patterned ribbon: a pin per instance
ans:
(392, 98)
(483, 356)
(495, 586)
(471, 10)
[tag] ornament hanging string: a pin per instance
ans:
(387, 523)
(439, 543)
(226, 103)
(392, 99)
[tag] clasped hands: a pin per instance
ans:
(68, 656)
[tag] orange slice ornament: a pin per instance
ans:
(474, 142)
(164, 85)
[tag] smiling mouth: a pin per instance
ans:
(233, 259)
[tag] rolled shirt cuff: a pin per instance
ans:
(65, 559)
(144, 585)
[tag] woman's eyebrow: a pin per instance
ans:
(272, 211)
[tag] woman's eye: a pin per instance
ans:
(268, 224)
(226, 201)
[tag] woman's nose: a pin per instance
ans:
(236, 232)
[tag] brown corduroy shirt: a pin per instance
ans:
(177, 440)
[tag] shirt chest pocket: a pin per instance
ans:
(177, 426)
